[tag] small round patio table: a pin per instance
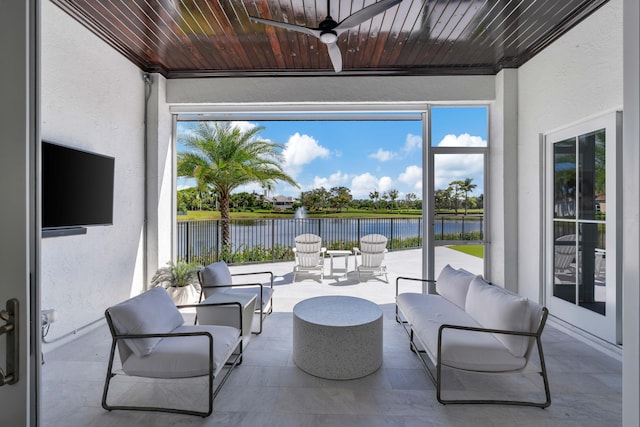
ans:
(337, 337)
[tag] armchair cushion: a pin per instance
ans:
(216, 274)
(496, 308)
(453, 285)
(183, 357)
(147, 313)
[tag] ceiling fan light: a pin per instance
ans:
(328, 37)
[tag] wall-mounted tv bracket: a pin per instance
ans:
(10, 329)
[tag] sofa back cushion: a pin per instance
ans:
(453, 285)
(216, 274)
(152, 312)
(496, 308)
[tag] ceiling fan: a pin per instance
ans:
(328, 30)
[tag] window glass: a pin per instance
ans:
(459, 126)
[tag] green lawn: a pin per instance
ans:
(475, 250)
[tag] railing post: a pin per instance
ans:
(273, 239)
(187, 254)
(391, 235)
(462, 237)
(217, 240)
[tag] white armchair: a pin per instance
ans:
(217, 278)
(154, 342)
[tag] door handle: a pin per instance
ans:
(10, 329)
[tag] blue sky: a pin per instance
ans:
(371, 155)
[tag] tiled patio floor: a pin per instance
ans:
(269, 390)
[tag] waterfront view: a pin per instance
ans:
(271, 239)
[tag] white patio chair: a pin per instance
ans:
(154, 342)
(372, 249)
(309, 255)
(565, 253)
(217, 277)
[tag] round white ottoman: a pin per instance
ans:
(337, 337)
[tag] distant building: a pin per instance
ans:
(281, 202)
(601, 203)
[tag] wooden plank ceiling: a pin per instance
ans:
(191, 38)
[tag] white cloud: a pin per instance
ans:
(464, 140)
(412, 143)
(450, 167)
(385, 184)
(301, 150)
(337, 179)
(412, 176)
(362, 185)
(252, 187)
(382, 155)
(243, 126)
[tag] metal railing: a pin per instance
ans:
(271, 239)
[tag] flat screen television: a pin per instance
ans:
(77, 188)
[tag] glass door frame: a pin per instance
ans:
(429, 152)
(609, 325)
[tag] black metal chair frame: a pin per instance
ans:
(234, 360)
(259, 308)
(437, 379)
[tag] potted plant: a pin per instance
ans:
(180, 280)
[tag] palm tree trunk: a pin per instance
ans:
(224, 217)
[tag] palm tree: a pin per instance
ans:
(393, 195)
(374, 196)
(224, 157)
(467, 187)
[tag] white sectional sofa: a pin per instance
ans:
(472, 325)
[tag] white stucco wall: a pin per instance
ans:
(578, 76)
(161, 183)
(502, 183)
(92, 98)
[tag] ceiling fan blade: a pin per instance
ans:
(292, 27)
(365, 14)
(336, 56)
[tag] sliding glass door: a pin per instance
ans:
(581, 251)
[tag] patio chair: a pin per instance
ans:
(565, 253)
(153, 342)
(372, 249)
(217, 277)
(309, 255)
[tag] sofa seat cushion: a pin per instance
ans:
(496, 308)
(473, 351)
(152, 312)
(453, 285)
(467, 350)
(183, 357)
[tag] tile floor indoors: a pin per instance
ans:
(269, 390)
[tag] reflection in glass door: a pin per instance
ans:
(579, 221)
(582, 272)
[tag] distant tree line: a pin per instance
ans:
(456, 197)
